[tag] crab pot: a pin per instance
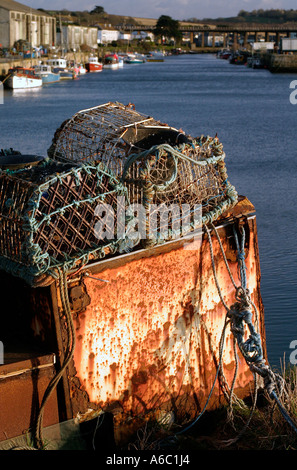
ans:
(144, 317)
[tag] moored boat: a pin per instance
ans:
(47, 74)
(134, 59)
(111, 61)
(155, 56)
(94, 65)
(175, 326)
(60, 66)
(225, 54)
(81, 69)
(256, 62)
(21, 78)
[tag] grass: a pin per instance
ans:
(220, 430)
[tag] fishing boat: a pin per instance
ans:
(94, 65)
(155, 57)
(255, 62)
(60, 66)
(239, 58)
(134, 59)
(47, 74)
(81, 69)
(129, 326)
(22, 78)
(57, 63)
(225, 54)
(111, 61)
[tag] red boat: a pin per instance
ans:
(94, 65)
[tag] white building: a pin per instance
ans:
(124, 36)
(106, 34)
(19, 22)
(73, 37)
(142, 35)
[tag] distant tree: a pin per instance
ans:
(97, 10)
(168, 28)
(243, 13)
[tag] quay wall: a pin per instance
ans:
(281, 63)
(6, 64)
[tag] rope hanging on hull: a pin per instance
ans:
(237, 316)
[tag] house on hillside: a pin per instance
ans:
(20, 22)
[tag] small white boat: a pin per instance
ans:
(22, 78)
(81, 69)
(134, 59)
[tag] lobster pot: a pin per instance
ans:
(158, 164)
(129, 315)
(49, 214)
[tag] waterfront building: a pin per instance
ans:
(20, 22)
(72, 37)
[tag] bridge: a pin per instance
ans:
(236, 30)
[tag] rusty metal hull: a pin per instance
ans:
(146, 340)
(22, 385)
(150, 337)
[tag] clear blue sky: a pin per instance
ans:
(177, 9)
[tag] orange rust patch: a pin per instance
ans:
(151, 334)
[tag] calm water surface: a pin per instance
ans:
(252, 115)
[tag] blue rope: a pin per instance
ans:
(251, 349)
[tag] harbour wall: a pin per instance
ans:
(6, 64)
(281, 63)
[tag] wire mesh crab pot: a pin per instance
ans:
(48, 217)
(158, 164)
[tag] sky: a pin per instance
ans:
(176, 9)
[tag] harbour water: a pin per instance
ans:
(251, 112)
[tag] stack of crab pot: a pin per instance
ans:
(110, 228)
